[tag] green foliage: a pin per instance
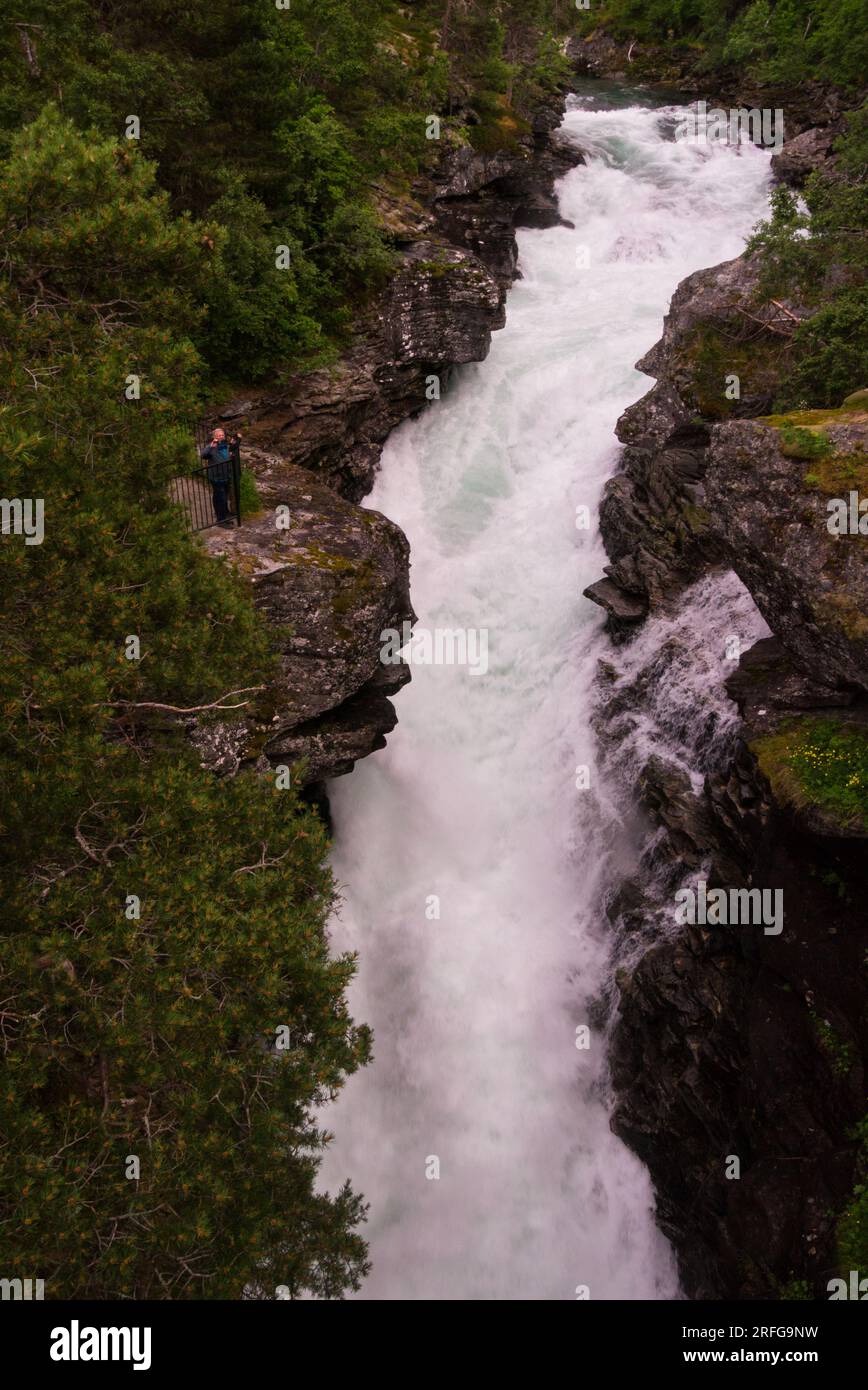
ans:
(789, 261)
(272, 125)
(769, 41)
(155, 1037)
(256, 312)
(796, 1290)
(853, 1223)
(820, 762)
(838, 1052)
(142, 1035)
(791, 40)
(96, 288)
(799, 443)
(831, 350)
(251, 502)
(819, 256)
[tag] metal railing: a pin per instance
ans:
(211, 488)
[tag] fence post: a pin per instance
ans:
(235, 451)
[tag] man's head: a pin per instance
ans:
(218, 435)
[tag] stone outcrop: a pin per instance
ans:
(804, 154)
(479, 199)
(732, 1044)
(655, 517)
(329, 578)
(769, 513)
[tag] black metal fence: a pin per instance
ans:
(211, 493)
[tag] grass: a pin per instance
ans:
(820, 763)
(797, 442)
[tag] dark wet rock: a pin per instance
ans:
(666, 793)
(805, 153)
(768, 686)
(467, 171)
(328, 586)
(618, 603)
(715, 1056)
(237, 409)
(655, 519)
(730, 1043)
(478, 200)
(599, 55)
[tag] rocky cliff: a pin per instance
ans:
(454, 237)
(328, 575)
(727, 1042)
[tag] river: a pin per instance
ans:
(472, 864)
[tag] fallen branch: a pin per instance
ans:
(784, 310)
(191, 709)
(767, 324)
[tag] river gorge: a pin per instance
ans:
(476, 850)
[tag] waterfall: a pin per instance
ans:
(471, 863)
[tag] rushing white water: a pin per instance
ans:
(475, 803)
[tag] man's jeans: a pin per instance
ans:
(221, 499)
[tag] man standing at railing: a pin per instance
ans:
(219, 472)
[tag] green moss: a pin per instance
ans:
(802, 423)
(821, 763)
(840, 608)
(352, 595)
(324, 559)
(809, 419)
(437, 269)
(837, 474)
(838, 1052)
(853, 1222)
(798, 443)
(697, 518)
(499, 128)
